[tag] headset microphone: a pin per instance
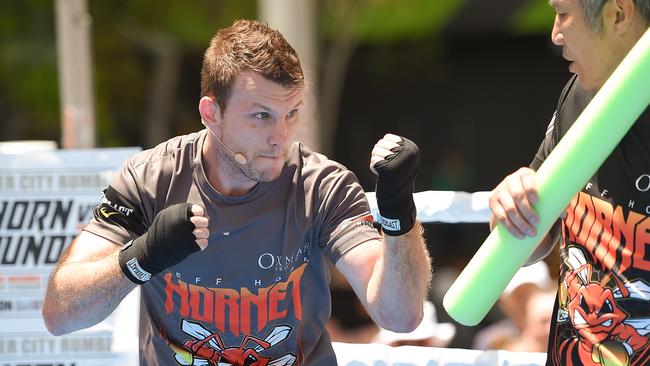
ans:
(239, 157)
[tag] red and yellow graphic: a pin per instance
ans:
(206, 348)
(602, 244)
(230, 309)
(235, 312)
(603, 337)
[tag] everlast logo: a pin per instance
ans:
(117, 207)
(137, 271)
(389, 224)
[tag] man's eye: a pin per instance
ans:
(263, 115)
(292, 113)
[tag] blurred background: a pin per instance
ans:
(474, 83)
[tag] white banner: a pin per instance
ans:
(45, 198)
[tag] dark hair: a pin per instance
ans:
(248, 45)
(593, 9)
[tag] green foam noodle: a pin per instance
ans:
(575, 159)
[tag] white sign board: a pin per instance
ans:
(45, 198)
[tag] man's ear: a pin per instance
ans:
(625, 11)
(209, 110)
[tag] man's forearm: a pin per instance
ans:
(81, 294)
(402, 280)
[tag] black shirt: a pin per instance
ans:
(603, 301)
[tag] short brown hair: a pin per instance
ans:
(594, 8)
(248, 45)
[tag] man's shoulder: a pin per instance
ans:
(312, 161)
(571, 93)
(167, 151)
(573, 100)
(570, 85)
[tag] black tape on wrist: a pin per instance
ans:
(395, 184)
(168, 241)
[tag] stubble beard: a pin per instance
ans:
(256, 175)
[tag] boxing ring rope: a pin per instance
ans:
(349, 354)
(446, 206)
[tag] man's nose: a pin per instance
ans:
(280, 133)
(556, 36)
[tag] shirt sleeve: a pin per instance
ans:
(120, 216)
(547, 145)
(346, 220)
(554, 132)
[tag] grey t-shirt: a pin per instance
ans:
(260, 291)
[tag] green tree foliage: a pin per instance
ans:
(28, 77)
(121, 58)
(377, 21)
(534, 17)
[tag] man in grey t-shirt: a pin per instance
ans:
(231, 231)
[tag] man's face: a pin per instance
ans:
(260, 121)
(589, 51)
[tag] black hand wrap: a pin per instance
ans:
(168, 241)
(395, 184)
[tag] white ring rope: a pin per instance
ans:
(446, 206)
